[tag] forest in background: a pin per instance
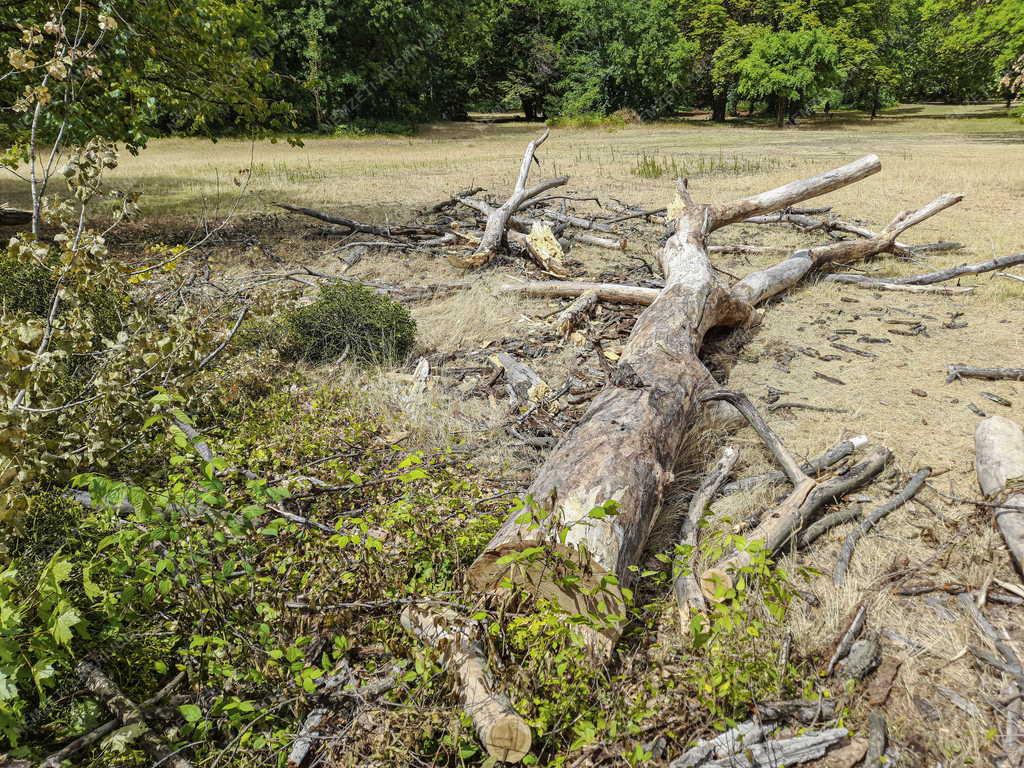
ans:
(311, 65)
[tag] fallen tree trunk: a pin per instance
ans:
(12, 217)
(627, 442)
(999, 463)
(504, 734)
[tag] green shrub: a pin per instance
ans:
(25, 285)
(353, 321)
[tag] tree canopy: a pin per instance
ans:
(319, 65)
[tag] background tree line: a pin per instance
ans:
(341, 62)
(320, 64)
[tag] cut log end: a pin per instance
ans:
(714, 582)
(506, 738)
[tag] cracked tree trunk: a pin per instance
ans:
(498, 218)
(628, 440)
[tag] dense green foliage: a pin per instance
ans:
(395, 59)
(350, 321)
(376, 63)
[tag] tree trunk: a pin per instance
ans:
(627, 442)
(718, 106)
(529, 109)
(780, 112)
(999, 462)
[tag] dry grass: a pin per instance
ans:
(925, 151)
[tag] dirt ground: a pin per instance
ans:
(943, 701)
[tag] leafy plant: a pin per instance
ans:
(349, 320)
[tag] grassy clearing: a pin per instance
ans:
(925, 150)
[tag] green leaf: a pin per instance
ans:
(61, 629)
(191, 713)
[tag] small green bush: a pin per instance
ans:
(353, 321)
(25, 286)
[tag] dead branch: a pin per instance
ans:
(957, 371)
(367, 229)
(874, 284)
(828, 522)
(611, 292)
(819, 463)
(96, 734)
(128, 713)
(685, 586)
(498, 219)
(893, 503)
(808, 497)
(922, 283)
(573, 316)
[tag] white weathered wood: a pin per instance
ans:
(999, 463)
(783, 752)
(723, 745)
(498, 218)
(685, 586)
(522, 383)
(573, 316)
(503, 733)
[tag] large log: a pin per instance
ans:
(504, 734)
(999, 462)
(12, 217)
(628, 440)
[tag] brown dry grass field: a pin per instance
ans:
(898, 398)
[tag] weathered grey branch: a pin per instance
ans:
(685, 586)
(893, 503)
(999, 463)
(956, 371)
(129, 713)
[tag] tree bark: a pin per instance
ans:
(718, 106)
(498, 219)
(628, 440)
(999, 463)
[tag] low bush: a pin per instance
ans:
(349, 321)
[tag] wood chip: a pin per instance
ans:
(881, 684)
